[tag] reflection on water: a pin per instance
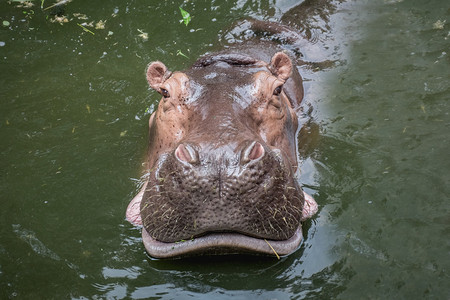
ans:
(374, 152)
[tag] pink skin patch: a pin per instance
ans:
(133, 213)
(310, 207)
(134, 208)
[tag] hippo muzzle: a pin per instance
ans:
(222, 160)
(194, 193)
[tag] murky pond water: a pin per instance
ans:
(73, 128)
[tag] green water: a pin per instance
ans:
(73, 131)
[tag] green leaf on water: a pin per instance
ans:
(5, 23)
(181, 53)
(186, 16)
(85, 29)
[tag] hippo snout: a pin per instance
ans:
(198, 190)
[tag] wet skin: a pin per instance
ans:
(222, 157)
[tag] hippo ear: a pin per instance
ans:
(281, 66)
(157, 73)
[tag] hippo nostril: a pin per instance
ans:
(186, 153)
(254, 152)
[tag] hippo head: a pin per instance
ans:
(222, 158)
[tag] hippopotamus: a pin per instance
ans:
(222, 156)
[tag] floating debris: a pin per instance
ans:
(80, 16)
(24, 4)
(59, 19)
(100, 24)
(58, 4)
(143, 35)
(90, 24)
(422, 107)
(439, 24)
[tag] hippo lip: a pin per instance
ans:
(221, 243)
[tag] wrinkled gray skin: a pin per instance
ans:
(222, 157)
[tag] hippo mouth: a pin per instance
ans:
(221, 243)
(217, 243)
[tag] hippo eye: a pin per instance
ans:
(165, 93)
(277, 90)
